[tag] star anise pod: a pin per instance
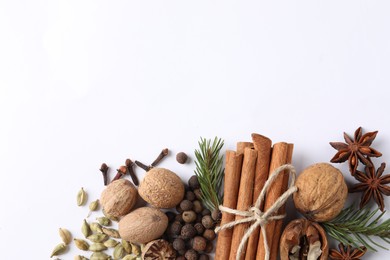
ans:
(347, 253)
(355, 150)
(373, 184)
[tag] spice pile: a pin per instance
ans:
(240, 203)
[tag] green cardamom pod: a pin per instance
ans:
(104, 221)
(81, 197)
(100, 256)
(119, 252)
(110, 217)
(81, 244)
(97, 247)
(127, 246)
(85, 228)
(111, 232)
(111, 243)
(135, 249)
(58, 249)
(80, 257)
(97, 238)
(129, 257)
(94, 205)
(65, 235)
(95, 227)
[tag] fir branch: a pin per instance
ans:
(210, 172)
(355, 227)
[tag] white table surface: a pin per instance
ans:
(86, 82)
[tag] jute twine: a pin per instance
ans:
(255, 215)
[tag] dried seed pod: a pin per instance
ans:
(81, 197)
(111, 232)
(161, 188)
(94, 205)
(302, 237)
(322, 192)
(104, 221)
(158, 249)
(111, 243)
(97, 247)
(81, 244)
(80, 257)
(85, 229)
(65, 235)
(100, 256)
(58, 249)
(97, 238)
(118, 198)
(126, 246)
(119, 252)
(96, 228)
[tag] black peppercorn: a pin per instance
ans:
(186, 205)
(189, 216)
(197, 206)
(179, 244)
(209, 234)
(190, 195)
(188, 231)
(207, 222)
(175, 228)
(193, 182)
(191, 254)
(203, 257)
(198, 243)
(181, 158)
(199, 228)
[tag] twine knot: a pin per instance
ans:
(258, 217)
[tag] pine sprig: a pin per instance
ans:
(355, 227)
(210, 172)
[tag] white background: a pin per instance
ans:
(86, 82)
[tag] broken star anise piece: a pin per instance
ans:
(373, 184)
(347, 253)
(355, 150)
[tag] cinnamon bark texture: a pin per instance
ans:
(278, 158)
(282, 210)
(242, 145)
(262, 145)
(233, 164)
(245, 195)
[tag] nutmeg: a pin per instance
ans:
(161, 188)
(143, 225)
(118, 198)
(158, 249)
(304, 237)
(322, 192)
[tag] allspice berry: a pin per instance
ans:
(179, 244)
(189, 216)
(188, 231)
(190, 195)
(199, 228)
(181, 158)
(199, 243)
(191, 254)
(186, 205)
(203, 257)
(197, 206)
(209, 234)
(208, 222)
(193, 182)
(175, 228)
(322, 192)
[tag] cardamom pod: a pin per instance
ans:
(80, 257)
(119, 252)
(97, 247)
(94, 205)
(129, 257)
(85, 229)
(99, 256)
(127, 246)
(135, 249)
(95, 227)
(104, 221)
(65, 235)
(97, 238)
(81, 244)
(111, 232)
(110, 217)
(81, 197)
(111, 243)
(58, 249)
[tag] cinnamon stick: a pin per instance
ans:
(244, 199)
(278, 158)
(262, 145)
(282, 210)
(242, 145)
(233, 165)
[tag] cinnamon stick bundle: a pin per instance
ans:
(233, 164)
(279, 157)
(262, 145)
(244, 199)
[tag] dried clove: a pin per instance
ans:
(162, 154)
(120, 172)
(104, 170)
(130, 171)
(143, 166)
